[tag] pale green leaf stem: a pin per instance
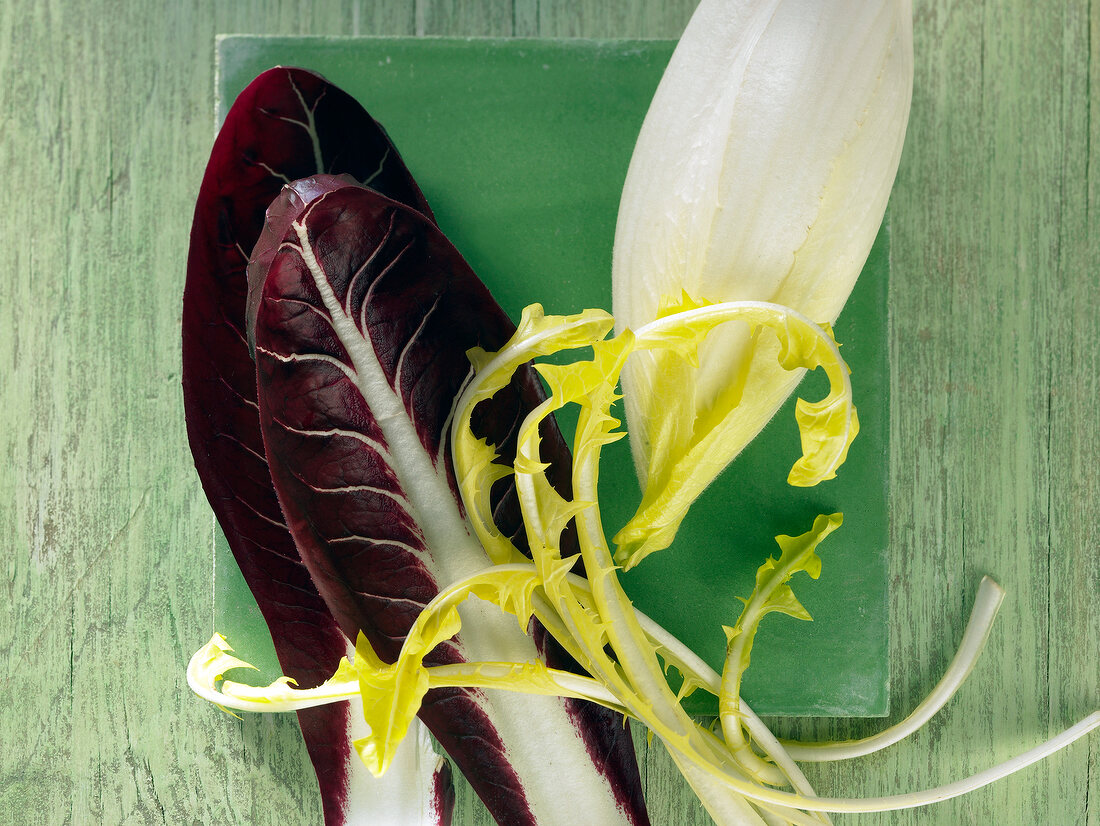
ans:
(986, 605)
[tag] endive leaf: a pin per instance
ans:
(761, 173)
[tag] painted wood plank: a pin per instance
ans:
(467, 18)
(107, 114)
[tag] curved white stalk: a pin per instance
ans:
(959, 787)
(986, 605)
(906, 800)
(923, 797)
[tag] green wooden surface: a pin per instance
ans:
(107, 117)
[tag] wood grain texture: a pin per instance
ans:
(107, 112)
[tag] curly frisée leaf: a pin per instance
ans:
(688, 465)
(416, 793)
(477, 458)
(393, 693)
(741, 776)
(209, 665)
(827, 427)
(772, 594)
(594, 620)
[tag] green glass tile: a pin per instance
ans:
(521, 147)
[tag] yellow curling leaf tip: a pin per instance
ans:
(827, 430)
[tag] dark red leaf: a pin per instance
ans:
(288, 124)
(361, 339)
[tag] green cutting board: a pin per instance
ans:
(521, 147)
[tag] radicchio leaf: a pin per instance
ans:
(366, 316)
(288, 124)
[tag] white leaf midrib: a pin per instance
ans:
(431, 502)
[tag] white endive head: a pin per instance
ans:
(761, 173)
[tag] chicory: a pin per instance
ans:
(288, 123)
